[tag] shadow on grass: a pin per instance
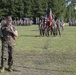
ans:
(36, 68)
(30, 35)
(14, 70)
(44, 69)
(34, 30)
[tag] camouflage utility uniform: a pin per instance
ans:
(54, 28)
(8, 43)
(58, 23)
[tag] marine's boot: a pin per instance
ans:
(2, 70)
(10, 69)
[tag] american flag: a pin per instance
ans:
(50, 17)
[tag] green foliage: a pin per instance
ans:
(35, 8)
(38, 9)
(70, 12)
(27, 8)
(19, 8)
(58, 8)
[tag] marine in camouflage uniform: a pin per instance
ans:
(48, 27)
(41, 28)
(58, 23)
(8, 42)
(54, 28)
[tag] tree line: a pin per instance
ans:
(33, 8)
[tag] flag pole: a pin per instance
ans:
(50, 17)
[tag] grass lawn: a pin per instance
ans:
(35, 55)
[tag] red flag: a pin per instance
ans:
(50, 17)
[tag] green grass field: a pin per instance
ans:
(35, 55)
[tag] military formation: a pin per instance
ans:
(46, 30)
(72, 22)
(20, 22)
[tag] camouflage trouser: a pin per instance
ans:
(42, 32)
(58, 29)
(7, 52)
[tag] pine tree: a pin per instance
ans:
(19, 8)
(58, 8)
(27, 8)
(3, 8)
(70, 13)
